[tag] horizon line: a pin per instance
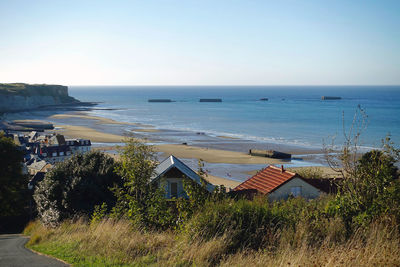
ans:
(236, 85)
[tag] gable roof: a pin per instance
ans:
(267, 180)
(172, 162)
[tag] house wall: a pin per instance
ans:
(307, 191)
(166, 183)
(175, 175)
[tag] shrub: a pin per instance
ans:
(75, 187)
(137, 198)
(13, 188)
(246, 224)
(99, 213)
(259, 224)
(371, 191)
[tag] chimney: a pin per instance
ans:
(282, 169)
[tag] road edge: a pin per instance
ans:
(42, 254)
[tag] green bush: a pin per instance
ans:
(13, 184)
(244, 223)
(99, 213)
(372, 190)
(260, 224)
(75, 186)
(137, 198)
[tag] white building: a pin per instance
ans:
(278, 183)
(79, 145)
(171, 173)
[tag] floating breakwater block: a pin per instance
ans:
(159, 100)
(210, 100)
(269, 154)
(331, 98)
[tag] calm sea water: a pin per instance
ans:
(293, 115)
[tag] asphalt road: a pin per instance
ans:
(14, 253)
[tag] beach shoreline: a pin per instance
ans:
(212, 150)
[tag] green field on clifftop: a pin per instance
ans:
(23, 89)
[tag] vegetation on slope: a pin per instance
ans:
(74, 187)
(359, 226)
(13, 184)
(119, 243)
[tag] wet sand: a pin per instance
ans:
(72, 131)
(222, 181)
(213, 155)
(219, 149)
(81, 115)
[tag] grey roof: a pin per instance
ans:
(171, 162)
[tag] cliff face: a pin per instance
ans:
(18, 96)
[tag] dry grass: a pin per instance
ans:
(379, 247)
(118, 243)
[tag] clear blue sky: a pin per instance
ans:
(200, 42)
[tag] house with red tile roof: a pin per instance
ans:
(278, 184)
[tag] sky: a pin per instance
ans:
(216, 42)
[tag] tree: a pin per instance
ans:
(13, 184)
(138, 199)
(75, 186)
(370, 187)
(198, 195)
(344, 161)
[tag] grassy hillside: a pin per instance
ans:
(23, 89)
(118, 243)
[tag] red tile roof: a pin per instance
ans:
(267, 180)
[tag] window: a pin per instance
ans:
(54, 154)
(295, 191)
(174, 190)
(61, 153)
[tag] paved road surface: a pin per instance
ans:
(13, 253)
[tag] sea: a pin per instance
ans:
(292, 115)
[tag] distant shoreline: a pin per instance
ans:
(219, 153)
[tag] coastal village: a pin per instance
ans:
(78, 181)
(200, 133)
(43, 150)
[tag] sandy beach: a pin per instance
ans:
(104, 130)
(178, 150)
(222, 181)
(73, 131)
(213, 155)
(99, 120)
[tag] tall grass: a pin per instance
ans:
(118, 243)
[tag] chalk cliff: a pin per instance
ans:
(20, 96)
